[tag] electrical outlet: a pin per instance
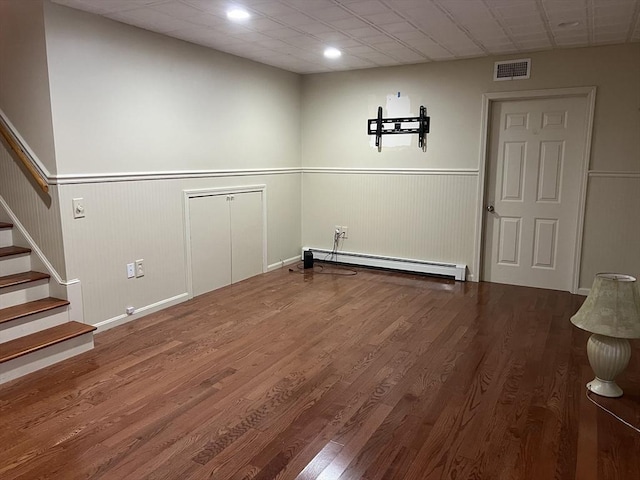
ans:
(139, 268)
(131, 271)
(337, 230)
(130, 310)
(345, 232)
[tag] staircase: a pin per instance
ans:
(35, 329)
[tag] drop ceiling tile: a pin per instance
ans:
(374, 39)
(363, 32)
(384, 18)
(283, 33)
(399, 27)
(311, 5)
(252, 37)
(274, 44)
(315, 28)
(507, 49)
(534, 44)
(264, 24)
(414, 35)
(439, 29)
(517, 9)
(407, 55)
(273, 8)
(368, 7)
(359, 49)
(350, 23)
(329, 14)
(334, 36)
(294, 19)
(148, 18)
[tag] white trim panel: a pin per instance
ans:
(393, 263)
(282, 263)
(613, 174)
(140, 312)
(393, 171)
(67, 179)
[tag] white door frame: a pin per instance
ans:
(206, 192)
(487, 101)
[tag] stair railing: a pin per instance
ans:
(24, 156)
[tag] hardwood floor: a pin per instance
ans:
(288, 376)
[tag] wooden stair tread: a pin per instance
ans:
(29, 308)
(5, 225)
(42, 339)
(13, 250)
(21, 278)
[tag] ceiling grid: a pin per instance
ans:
(292, 34)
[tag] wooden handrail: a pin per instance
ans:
(24, 158)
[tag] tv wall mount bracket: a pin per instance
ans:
(375, 127)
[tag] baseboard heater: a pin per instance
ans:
(392, 263)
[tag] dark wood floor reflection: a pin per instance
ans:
(288, 376)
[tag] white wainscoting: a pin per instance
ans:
(131, 220)
(421, 214)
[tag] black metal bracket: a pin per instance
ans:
(374, 126)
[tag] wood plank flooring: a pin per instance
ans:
(376, 376)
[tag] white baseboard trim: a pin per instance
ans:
(393, 263)
(583, 291)
(282, 263)
(140, 312)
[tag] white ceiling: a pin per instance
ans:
(292, 34)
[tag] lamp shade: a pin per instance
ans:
(612, 307)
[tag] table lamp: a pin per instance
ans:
(611, 313)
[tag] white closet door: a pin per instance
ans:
(210, 243)
(246, 235)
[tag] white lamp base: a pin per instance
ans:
(608, 357)
(604, 388)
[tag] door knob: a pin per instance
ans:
(490, 209)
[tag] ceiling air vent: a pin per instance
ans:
(512, 69)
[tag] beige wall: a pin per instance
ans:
(24, 82)
(337, 105)
(128, 100)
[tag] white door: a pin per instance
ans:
(536, 150)
(209, 228)
(246, 235)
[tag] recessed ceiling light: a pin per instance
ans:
(237, 14)
(568, 24)
(332, 52)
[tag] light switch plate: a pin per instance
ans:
(78, 208)
(139, 268)
(131, 270)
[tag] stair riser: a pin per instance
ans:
(43, 358)
(15, 264)
(6, 237)
(17, 294)
(32, 324)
